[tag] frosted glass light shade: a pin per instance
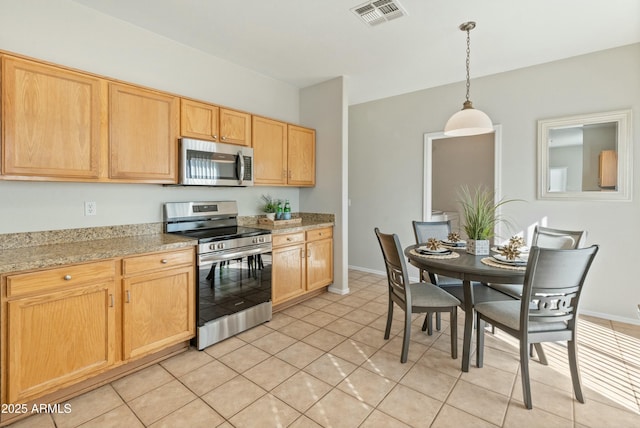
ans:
(468, 121)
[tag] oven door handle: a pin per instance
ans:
(209, 259)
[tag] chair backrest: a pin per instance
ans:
(553, 284)
(423, 230)
(545, 237)
(396, 268)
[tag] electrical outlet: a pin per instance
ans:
(90, 208)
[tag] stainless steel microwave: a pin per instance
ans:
(204, 163)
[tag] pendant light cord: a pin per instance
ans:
(468, 54)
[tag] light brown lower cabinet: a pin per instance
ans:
(159, 302)
(302, 262)
(64, 325)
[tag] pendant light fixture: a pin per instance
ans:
(468, 121)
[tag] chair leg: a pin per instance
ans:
(524, 372)
(438, 324)
(454, 332)
(541, 356)
(572, 347)
(479, 341)
(407, 334)
(427, 324)
(387, 330)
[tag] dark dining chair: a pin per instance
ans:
(423, 230)
(412, 298)
(546, 312)
(546, 237)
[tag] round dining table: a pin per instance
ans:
(474, 275)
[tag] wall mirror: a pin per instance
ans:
(585, 157)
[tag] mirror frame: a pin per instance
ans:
(624, 149)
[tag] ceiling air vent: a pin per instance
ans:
(379, 11)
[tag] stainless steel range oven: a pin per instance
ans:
(234, 268)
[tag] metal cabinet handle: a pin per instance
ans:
(289, 239)
(112, 301)
(164, 261)
(67, 277)
(215, 137)
(224, 138)
(128, 296)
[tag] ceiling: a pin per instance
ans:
(304, 42)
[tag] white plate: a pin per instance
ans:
(520, 261)
(499, 248)
(438, 251)
(457, 243)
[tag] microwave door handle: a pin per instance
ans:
(240, 163)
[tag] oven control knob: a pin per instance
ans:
(220, 246)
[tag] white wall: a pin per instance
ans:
(69, 34)
(385, 163)
(324, 107)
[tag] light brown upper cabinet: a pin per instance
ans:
(53, 122)
(301, 157)
(283, 154)
(218, 124)
(269, 151)
(143, 131)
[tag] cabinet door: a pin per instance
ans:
(288, 272)
(159, 311)
(199, 120)
(608, 168)
(60, 338)
(235, 127)
(319, 263)
(269, 151)
(143, 127)
(301, 156)
(51, 121)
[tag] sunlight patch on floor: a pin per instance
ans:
(609, 362)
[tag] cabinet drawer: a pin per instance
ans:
(314, 235)
(156, 261)
(287, 239)
(54, 279)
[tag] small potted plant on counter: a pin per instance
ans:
(479, 211)
(270, 206)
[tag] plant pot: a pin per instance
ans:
(478, 247)
(271, 216)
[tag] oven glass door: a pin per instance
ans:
(231, 286)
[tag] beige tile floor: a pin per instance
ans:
(324, 363)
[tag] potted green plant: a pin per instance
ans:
(480, 216)
(270, 206)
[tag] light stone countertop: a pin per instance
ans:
(59, 254)
(309, 221)
(51, 248)
(38, 250)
